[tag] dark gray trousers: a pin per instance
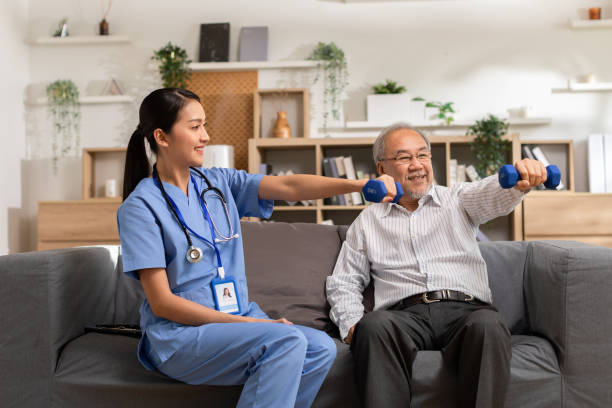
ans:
(472, 337)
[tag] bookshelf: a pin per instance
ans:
(294, 101)
(306, 156)
(559, 152)
(100, 164)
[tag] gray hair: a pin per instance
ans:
(378, 149)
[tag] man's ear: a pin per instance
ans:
(160, 137)
(379, 168)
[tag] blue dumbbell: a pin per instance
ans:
(509, 176)
(375, 191)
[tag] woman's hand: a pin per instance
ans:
(281, 320)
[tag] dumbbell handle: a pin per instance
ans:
(509, 176)
(375, 190)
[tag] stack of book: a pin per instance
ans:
(459, 173)
(342, 167)
(536, 153)
(600, 163)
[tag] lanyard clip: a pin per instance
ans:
(221, 271)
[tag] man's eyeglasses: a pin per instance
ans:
(422, 157)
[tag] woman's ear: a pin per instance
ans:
(161, 137)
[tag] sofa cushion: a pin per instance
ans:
(505, 266)
(287, 266)
(535, 378)
(102, 370)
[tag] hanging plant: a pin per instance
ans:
(65, 112)
(488, 146)
(173, 65)
(333, 64)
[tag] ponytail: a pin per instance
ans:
(159, 110)
(136, 162)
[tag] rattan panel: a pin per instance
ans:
(227, 98)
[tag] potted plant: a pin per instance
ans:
(65, 112)
(333, 64)
(173, 65)
(443, 111)
(490, 149)
(389, 103)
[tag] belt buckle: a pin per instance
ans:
(468, 298)
(426, 300)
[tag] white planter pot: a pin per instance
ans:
(388, 108)
(417, 112)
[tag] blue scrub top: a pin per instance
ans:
(151, 237)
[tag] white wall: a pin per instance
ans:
(484, 55)
(14, 71)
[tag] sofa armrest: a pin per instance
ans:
(47, 299)
(568, 287)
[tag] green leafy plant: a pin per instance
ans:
(333, 64)
(389, 87)
(60, 31)
(488, 146)
(444, 111)
(173, 65)
(418, 99)
(64, 110)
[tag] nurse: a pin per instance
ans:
(180, 236)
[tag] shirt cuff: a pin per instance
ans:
(346, 324)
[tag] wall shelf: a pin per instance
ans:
(82, 40)
(251, 65)
(92, 100)
(431, 125)
(590, 24)
(584, 87)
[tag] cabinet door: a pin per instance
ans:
(569, 216)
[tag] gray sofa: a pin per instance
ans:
(554, 296)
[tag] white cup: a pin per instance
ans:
(110, 188)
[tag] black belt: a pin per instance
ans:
(437, 296)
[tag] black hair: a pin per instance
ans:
(158, 110)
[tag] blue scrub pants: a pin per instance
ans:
(280, 365)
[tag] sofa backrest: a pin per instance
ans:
(287, 265)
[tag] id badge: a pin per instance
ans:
(226, 295)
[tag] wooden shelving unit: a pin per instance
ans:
(294, 101)
(99, 164)
(306, 156)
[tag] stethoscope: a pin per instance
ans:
(194, 254)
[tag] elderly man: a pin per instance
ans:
(431, 290)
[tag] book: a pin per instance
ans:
(607, 142)
(350, 174)
(342, 174)
(253, 44)
(526, 152)
(460, 175)
(539, 154)
(597, 169)
(328, 172)
(214, 42)
(471, 173)
(452, 167)
(265, 169)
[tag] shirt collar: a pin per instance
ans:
(431, 195)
